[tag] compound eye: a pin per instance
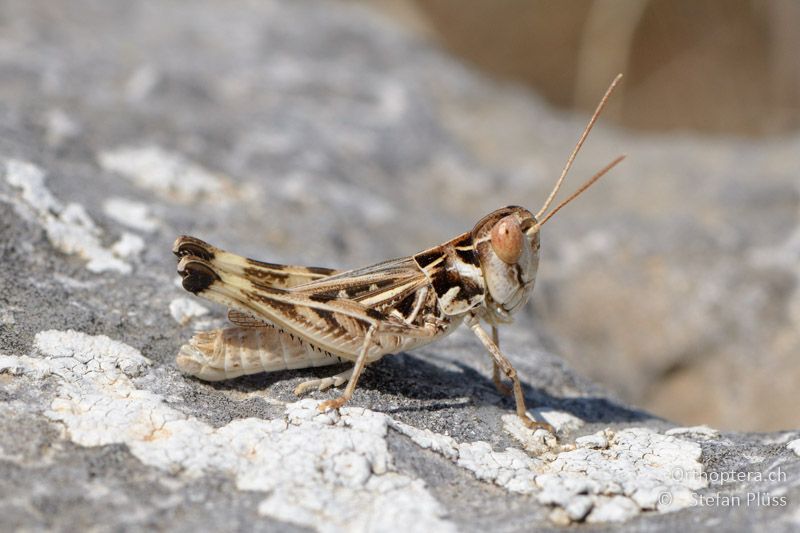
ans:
(507, 239)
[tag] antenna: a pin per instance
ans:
(582, 188)
(577, 148)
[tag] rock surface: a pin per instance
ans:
(320, 133)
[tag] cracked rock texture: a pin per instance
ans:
(320, 133)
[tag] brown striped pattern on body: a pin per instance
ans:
(268, 274)
(337, 325)
(454, 272)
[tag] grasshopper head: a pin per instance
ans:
(507, 242)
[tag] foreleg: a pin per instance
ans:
(508, 369)
(501, 387)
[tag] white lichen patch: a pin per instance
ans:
(794, 446)
(169, 173)
(597, 441)
(560, 420)
(129, 245)
(142, 83)
(19, 365)
(512, 469)
(703, 432)
(68, 227)
(130, 213)
(60, 128)
(7, 316)
(607, 477)
(183, 310)
(329, 471)
(334, 471)
(650, 470)
(534, 441)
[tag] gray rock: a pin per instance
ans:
(319, 133)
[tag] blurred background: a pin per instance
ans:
(726, 67)
(722, 76)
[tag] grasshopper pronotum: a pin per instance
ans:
(298, 317)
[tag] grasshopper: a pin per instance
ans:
(287, 317)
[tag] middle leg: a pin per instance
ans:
(323, 383)
(356, 373)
